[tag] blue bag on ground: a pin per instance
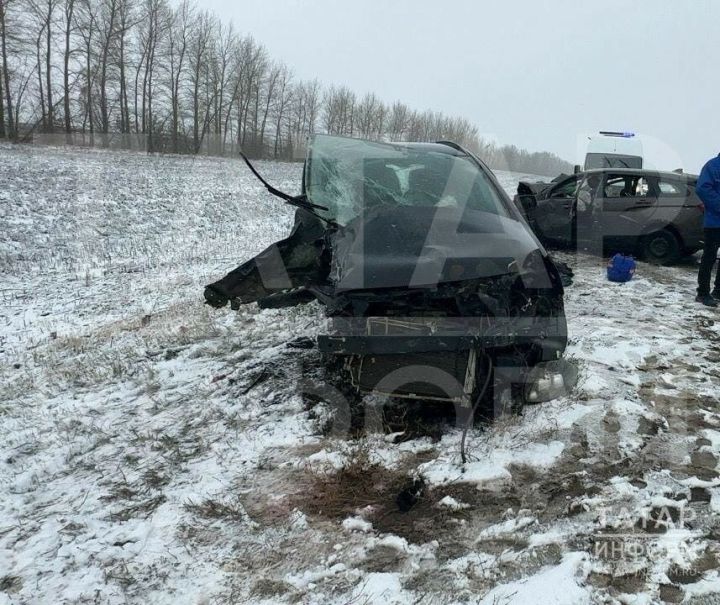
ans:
(621, 268)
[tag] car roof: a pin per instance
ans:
(446, 147)
(641, 172)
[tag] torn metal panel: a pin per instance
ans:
(294, 262)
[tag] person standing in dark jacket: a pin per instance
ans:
(708, 190)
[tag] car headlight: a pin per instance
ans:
(550, 380)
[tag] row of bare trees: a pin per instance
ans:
(172, 77)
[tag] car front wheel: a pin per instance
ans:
(661, 247)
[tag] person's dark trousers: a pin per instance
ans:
(712, 245)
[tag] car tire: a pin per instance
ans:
(661, 247)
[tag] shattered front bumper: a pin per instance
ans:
(437, 358)
(383, 335)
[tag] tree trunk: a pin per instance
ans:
(147, 86)
(41, 92)
(69, 8)
(228, 115)
(124, 113)
(145, 91)
(175, 115)
(104, 116)
(6, 74)
(2, 109)
(176, 97)
(140, 65)
(48, 68)
(88, 101)
(196, 112)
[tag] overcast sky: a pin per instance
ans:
(536, 74)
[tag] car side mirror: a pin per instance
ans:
(577, 169)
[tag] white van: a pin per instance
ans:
(614, 150)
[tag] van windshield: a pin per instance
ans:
(612, 160)
(352, 176)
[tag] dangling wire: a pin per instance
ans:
(478, 399)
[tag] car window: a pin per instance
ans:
(566, 189)
(612, 160)
(626, 185)
(672, 188)
(615, 186)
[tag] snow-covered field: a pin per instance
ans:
(153, 450)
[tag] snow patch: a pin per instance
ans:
(381, 589)
(492, 470)
(451, 503)
(560, 585)
(357, 524)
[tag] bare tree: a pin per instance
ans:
(68, 12)
(2, 109)
(86, 25)
(38, 57)
(284, 94)
(156, 24)
(43, 12)
(2, 96)
(370, 116)
(139, 63)
(5, 50)
(234, 84)
(126, 23)
(398, 121)
(178, 42)
(50, 9)
(340, 104)
(267, 92)
(224, 54)
(23, 75)
(198, 59)
(312, 104)
(303, 118)
(253, 63)
(107, 31)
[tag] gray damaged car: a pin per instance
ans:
(434, 285)
(650, 214)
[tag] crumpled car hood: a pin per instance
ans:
(411, 247)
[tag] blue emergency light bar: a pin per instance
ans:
(624, 135)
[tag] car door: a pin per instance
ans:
(587, 209)
(680, 208)
(629, 202)
(552, 218)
